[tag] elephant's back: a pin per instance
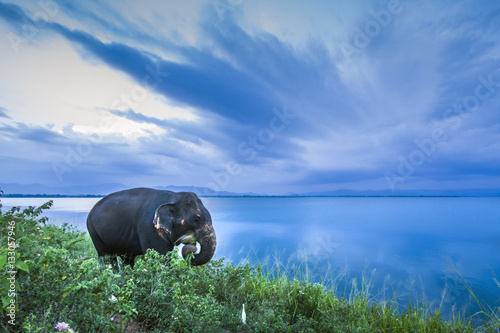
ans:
(127, 207)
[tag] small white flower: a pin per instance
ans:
(113, 299)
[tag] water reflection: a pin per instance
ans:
(403, 246)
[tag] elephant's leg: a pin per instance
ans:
(129, 260)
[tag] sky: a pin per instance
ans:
(270, 97)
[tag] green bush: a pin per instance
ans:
(60, 279)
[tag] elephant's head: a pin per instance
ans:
(186, 220)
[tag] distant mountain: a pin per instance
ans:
(100, 190)
(205, 191)
(104, 189)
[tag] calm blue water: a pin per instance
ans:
(401, 247)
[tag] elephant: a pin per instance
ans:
(128, 223)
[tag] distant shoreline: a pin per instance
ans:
(258, 196)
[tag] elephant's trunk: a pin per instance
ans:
(206, 237)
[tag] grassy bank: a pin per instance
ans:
(59, 279)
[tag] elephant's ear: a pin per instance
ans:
(164, 219)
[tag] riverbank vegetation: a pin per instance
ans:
(60, 282)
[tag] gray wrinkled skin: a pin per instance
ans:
(129, 222)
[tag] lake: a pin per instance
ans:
(396, 247)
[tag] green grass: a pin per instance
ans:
(60, 279)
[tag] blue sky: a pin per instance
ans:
(262, 96)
